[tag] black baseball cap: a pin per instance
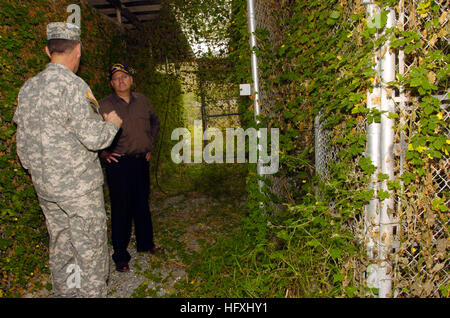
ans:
(118, 67)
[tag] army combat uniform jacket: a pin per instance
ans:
(59, 131)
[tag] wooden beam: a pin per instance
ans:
(125, 12)
(140, 3)
(119, 16)
(154, 8)
(139, 13)
(128, 4)
(103, 6)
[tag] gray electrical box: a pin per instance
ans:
(245, 89)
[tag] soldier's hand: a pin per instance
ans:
(114, 118)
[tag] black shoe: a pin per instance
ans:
(122, 267)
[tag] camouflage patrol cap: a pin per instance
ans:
(64, 31)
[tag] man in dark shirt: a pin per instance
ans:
(127, 168)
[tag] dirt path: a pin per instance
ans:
(183, 225)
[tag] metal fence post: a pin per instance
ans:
(380, 143)
(255, 77)
(371, 211)
(387, 161)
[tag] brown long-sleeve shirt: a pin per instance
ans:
(140, 125)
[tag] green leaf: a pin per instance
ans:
(428, 109)
(335, 14)
(382, 195)
(283, 235)
(314, 243)
(350, 291)
(338, 278)
(335, 253)
(366, 165)
(5, 243)
(393, 185)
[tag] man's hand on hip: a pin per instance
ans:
(108, 156)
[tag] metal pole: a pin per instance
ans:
(387, 161)
(371, 212)
(402, 122)
(255, 77)
(253, 46)
(379, 223)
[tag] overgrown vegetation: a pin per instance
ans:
(317, 56)
(302, 237)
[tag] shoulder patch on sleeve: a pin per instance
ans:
(91, 97)
(93, 101)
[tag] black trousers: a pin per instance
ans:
(129, 188)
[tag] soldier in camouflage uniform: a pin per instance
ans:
(59, 131)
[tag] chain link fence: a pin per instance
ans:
(421, 261)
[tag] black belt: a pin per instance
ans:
(134, 155)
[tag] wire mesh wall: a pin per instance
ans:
(421, 262)
(266, 20)
(218, 94)
(324, 153)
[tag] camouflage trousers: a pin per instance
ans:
(79, 258)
